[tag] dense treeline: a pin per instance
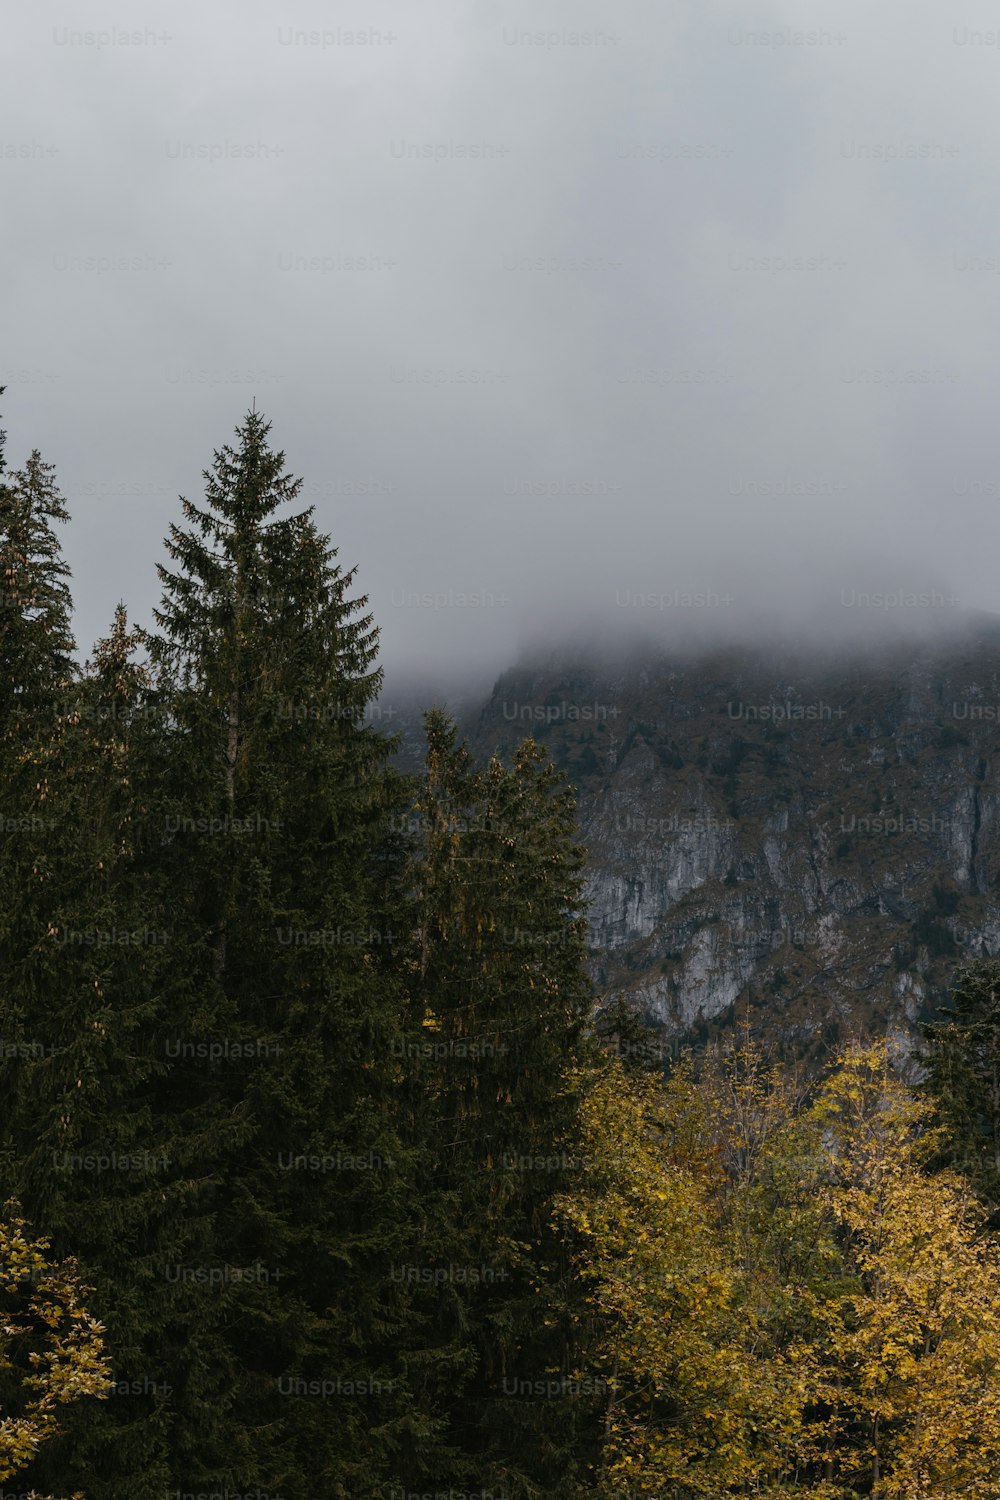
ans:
(298, 1062)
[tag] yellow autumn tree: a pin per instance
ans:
(700, 1401)
(44, 1324)
(788, 1302)
(914, 1340)
(777, 1235)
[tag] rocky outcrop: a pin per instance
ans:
(817, 840)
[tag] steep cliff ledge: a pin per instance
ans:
(819, 839)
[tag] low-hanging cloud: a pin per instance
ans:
(577, 320)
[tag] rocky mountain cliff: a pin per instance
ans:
(817, 839)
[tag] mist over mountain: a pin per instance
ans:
(546, 339)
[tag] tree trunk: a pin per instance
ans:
(232, 749)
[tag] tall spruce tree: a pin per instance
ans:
(499, 969)
(35, 673)
(271, 834)
(36, 640)
(36, 670)
(36, 667)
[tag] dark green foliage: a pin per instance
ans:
(623, 1033)
(670, 757)
(902, 956)
(35, 605)
(586, 762)
(728, 762)
(87, 1150)
(272, 839)
(930, 931)
(962, 1056)
(263, 1059)
(498, 972)
(945, 900)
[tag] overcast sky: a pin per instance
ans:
(641, 314)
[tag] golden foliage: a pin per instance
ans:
(789, 1301)
(65, 1343)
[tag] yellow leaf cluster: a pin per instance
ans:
(789, 1301)
(68, 1361)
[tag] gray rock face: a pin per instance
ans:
(819, 841)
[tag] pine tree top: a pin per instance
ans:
(247, 573)
(36, 638)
